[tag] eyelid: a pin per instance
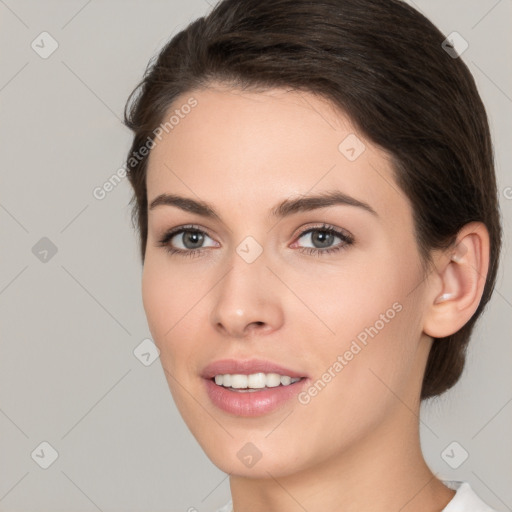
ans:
(186, 227)
(340, 232)
(171, 233)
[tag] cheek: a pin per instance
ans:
(157, 302)
(174, 302)
(166, 307)
(376, 324)
(361, 374)
(167, 296)
(166, 303)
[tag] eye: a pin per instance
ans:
(185, 240)
(188, 240)
(322, 237)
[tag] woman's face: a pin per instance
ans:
(341, 308)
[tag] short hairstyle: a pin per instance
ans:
(380, 62)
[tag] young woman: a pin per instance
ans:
(319, 227)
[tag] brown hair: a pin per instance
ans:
(382, 63)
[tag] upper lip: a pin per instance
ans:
(247, 367)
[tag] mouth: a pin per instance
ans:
(253, 382)
(251, 388)
(253, 395)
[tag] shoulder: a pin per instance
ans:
(465, 499)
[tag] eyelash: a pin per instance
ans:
(169, 235)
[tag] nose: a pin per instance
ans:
(247, 300)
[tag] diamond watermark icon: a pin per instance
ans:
(45, 455)
(249, 249)
(351, 147)
(454, 455)
(455, 45)
(44, 45)
(146, 352)
(249, 454)
(44, 250)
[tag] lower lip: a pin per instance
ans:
(252, 403)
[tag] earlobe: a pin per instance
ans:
(458, 287)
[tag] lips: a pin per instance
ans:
(247, 367)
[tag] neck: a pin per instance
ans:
(383, 472)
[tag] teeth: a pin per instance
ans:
(254, 380)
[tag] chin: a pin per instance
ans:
(240, 457)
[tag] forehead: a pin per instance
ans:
(253, 149)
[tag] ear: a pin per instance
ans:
(456, 288)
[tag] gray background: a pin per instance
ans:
(70, 324)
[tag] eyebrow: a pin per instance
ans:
(285, 208)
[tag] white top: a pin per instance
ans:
(464, 500)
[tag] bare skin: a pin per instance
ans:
(355, 444)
